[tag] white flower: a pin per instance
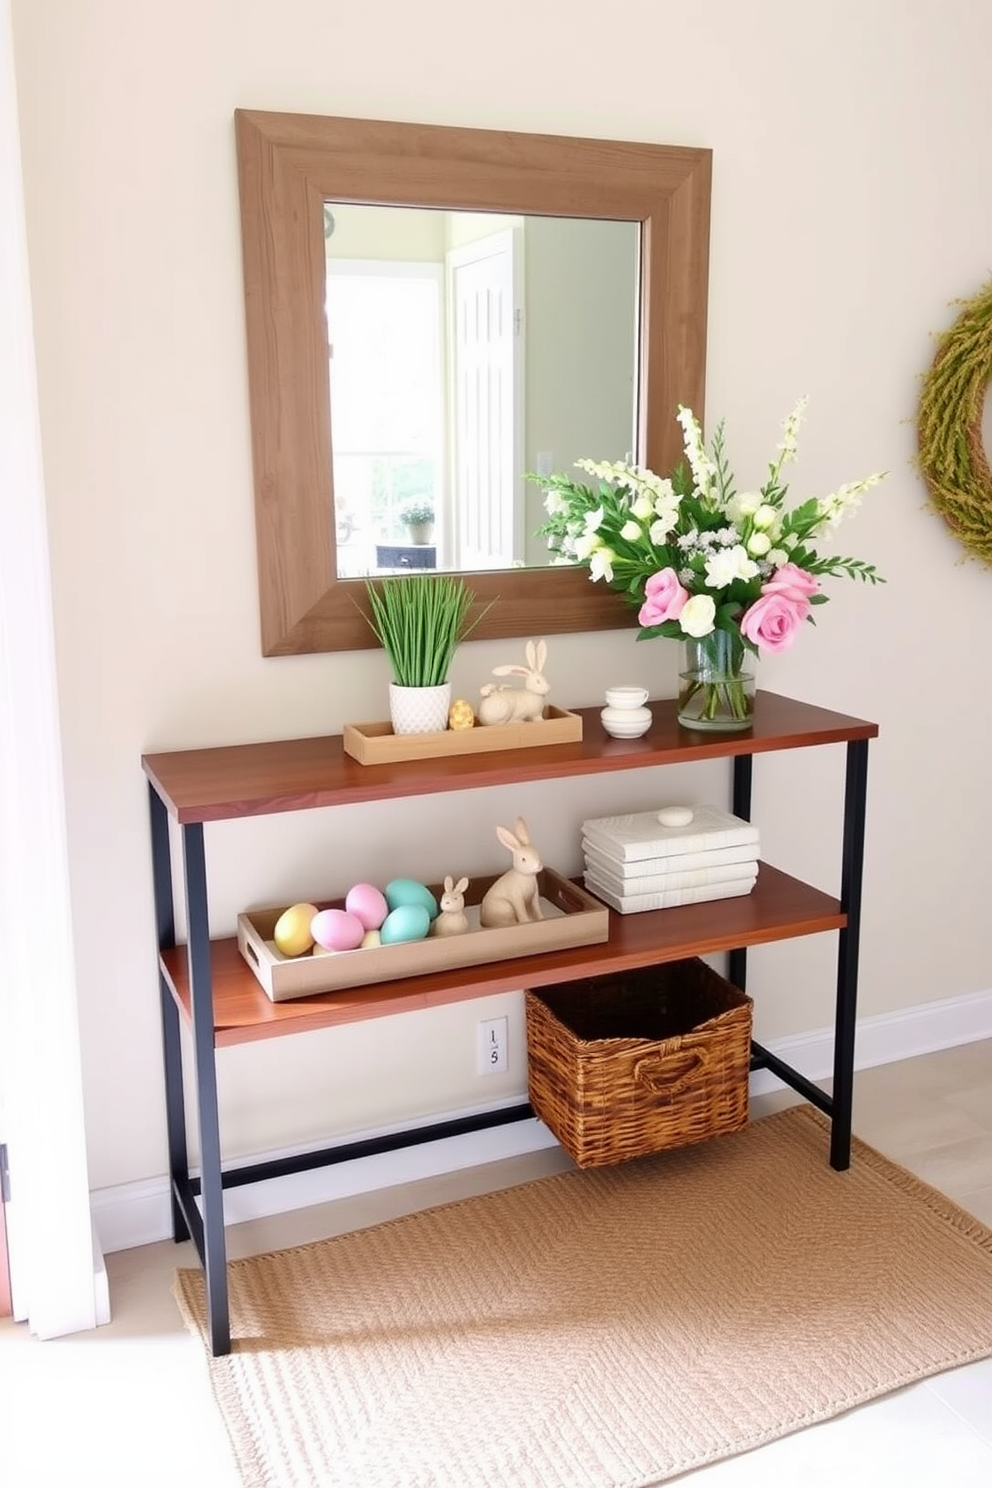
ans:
(631, 531)
(845, 499)
(758, 544)
(660, 530)
(727, 536)
(554, 502)
(636, 478)
(585, 545)
(765, 517)
(747, 504)
(601, 564)
(642, 507)
(728, 564)
(594, 519)
(666, 509)
(601, 469)
(698, 615)
(775, 557)
(787, 448)
(702, 467)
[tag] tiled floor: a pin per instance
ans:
(129, 1407)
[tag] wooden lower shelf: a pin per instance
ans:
(778, 908)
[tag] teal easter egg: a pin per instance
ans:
(404, 891)
(405, 922)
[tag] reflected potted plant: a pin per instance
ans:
(418, 515)
(419, 619)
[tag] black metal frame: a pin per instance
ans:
(198, 1202)
(837, 1105)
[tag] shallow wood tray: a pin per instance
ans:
(376, 744)
(574, 917)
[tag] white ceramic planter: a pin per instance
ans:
(419, 710)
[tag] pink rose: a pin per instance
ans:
(664, 598)
(791, 581)
(772, 621)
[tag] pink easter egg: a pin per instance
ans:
(368, 904)
(337, 930)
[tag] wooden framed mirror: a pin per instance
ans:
(289, 167)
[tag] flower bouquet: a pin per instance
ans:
(730, 574)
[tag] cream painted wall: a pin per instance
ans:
(850, 146)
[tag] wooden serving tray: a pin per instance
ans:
(376, 744)
(573, 917)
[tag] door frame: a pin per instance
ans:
(511, 241)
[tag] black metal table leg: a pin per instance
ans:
(165, 924)
(214, 1251)
(855, 796)
(741, 806)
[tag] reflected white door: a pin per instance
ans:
(485, 282)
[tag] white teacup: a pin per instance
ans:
(626, 697)
(625, 716)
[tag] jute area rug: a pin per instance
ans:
(591, 1330)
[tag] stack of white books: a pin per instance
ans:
(636, 862)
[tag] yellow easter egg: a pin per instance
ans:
(460, 715)
(292, 932)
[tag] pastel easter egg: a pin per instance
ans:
(337, 930)
(371, 938)
(368, 904)
(404, 923)
(404, 891)
(292, 933)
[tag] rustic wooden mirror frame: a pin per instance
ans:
(288, 166)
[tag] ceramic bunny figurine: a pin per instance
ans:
(501, 704)
(452, 919)
(514, 899)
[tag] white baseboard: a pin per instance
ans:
(886, 1038)
(132, 1214)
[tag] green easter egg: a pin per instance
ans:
(403, 891)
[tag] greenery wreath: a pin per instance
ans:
(949, 425)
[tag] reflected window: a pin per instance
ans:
(385, 334)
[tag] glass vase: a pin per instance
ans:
(716, 682)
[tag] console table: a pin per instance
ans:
(208, 984)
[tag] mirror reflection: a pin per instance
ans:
(466, 349)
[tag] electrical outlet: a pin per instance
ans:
(491, 1046)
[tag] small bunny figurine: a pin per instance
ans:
(525, 704)
(514, 899)
(452, 919)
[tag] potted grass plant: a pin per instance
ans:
(419, 619)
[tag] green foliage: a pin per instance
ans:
(419, 620)
(716, 552)
(417, 513)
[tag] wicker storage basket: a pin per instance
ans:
(623, 1065)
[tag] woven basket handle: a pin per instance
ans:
(660, 1078)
